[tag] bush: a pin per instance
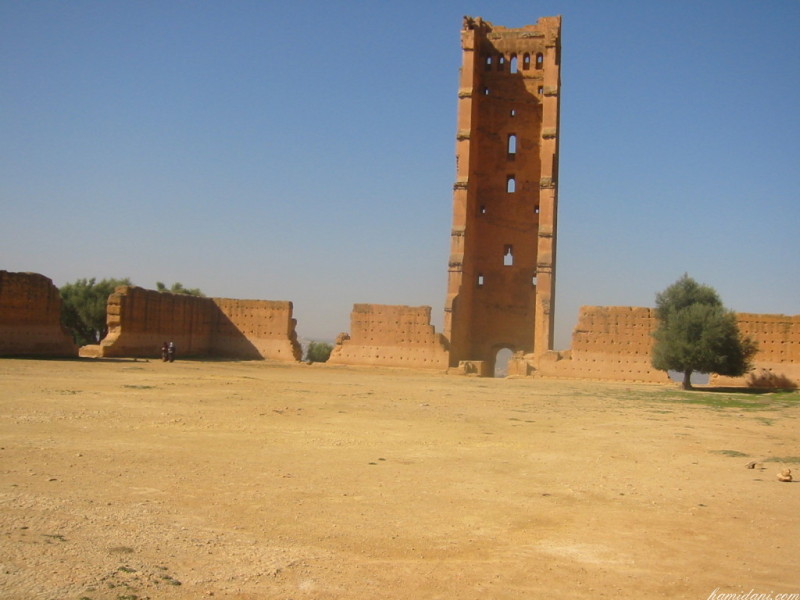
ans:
(318, 352)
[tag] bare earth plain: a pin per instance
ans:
(129, 480)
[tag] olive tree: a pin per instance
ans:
(697, 333)
(83, 308)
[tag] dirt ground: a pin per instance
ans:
(128, 480)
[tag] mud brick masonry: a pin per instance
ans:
(501, 271)
(391, 335)
(501, 268)
(610, 343)
(30, 317)
(140, 320)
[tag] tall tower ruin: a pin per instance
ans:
(501, 279)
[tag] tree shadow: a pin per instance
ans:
(755, 391)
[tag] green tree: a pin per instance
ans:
(83, 308)
(697, 333)
(318, 351)
(177, 288)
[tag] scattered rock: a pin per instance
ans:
(785, 475)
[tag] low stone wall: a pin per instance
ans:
(140, 321)
(391, 336)
(30, 317)
(777, 362)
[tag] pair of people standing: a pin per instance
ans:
(168, 352)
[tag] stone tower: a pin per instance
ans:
(501, 279)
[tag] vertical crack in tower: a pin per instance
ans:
(501, 271)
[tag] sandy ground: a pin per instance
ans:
(130, 480)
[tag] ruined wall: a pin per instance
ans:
(140, 320)
(614, 343)
(608, 343)
(255, 329)
(392, 336)
(777, 362)
(30, 317)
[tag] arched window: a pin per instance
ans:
(539, 60)
(501, 63)
(526, 61)
(488, 63)
(508, 256)
(480, 280)
(512, 67)
(511, 184)
(512, 144)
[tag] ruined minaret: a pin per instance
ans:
(501, 281)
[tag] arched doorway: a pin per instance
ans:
(501, 361)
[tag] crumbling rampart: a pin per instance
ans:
(391, 336)
(777, 362)
(614, 343)
(609, 343)
(255, 329)
(140, 320)
(30, 317)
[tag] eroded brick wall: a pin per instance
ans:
(609, 343)
(140, 321)
(392, 336)
(255, 329)
(614, 343)
(777, 362)
(30, 317)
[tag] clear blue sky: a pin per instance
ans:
(304, 151)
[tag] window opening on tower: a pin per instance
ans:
(508, 256)
(512, 144)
